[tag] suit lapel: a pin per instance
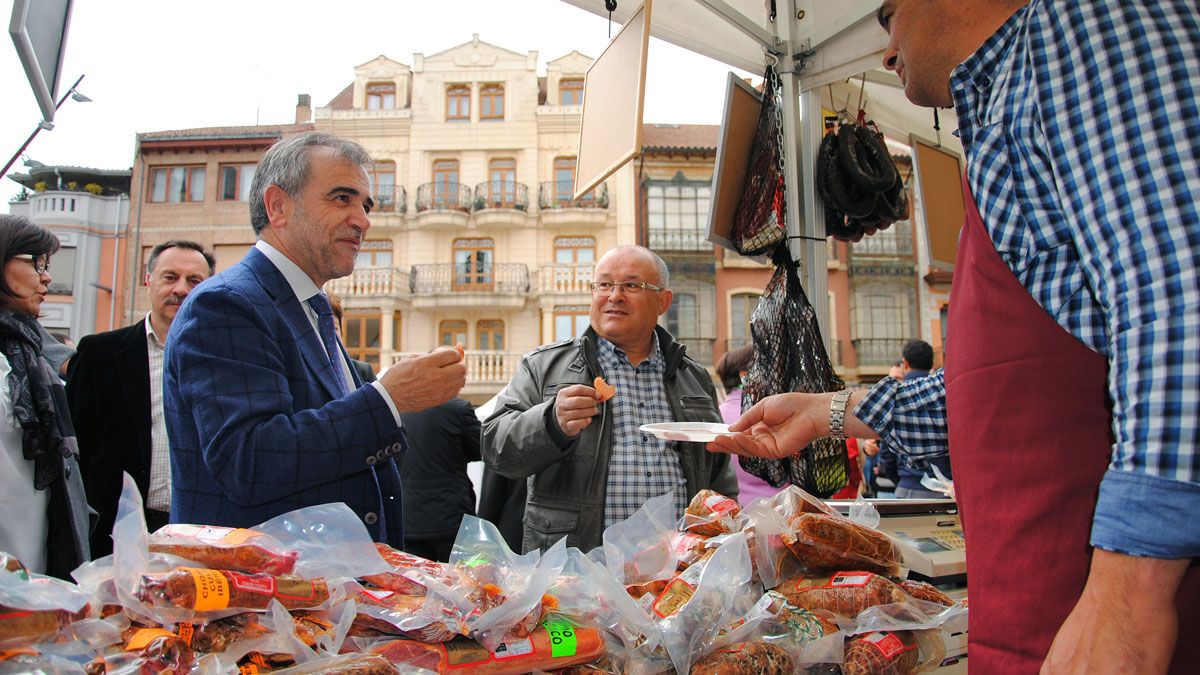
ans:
(133, 359)
(289, 307)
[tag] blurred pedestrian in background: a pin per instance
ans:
(731, 369)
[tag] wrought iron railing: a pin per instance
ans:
(500, 194)
(557, 195)
(439, 278)
(679, 240)
(443, 197)
(371, 281)
(565, 278)
(897, 240)
(878, 351)
(392, 201)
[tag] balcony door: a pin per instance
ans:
(489, 335)
(574, 258)
(362, 333)
(564, 179)
(383, 185)
(445, 183)
(474, 264)
(502, 183)
(452, 332)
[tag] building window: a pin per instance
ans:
(570, 322)
(692, 316)
(362, 336)
(491, 102)
(473, 260)
(741, 308)
(374, 253)
(458, 103)
(677, 214)
(564, 178)
(383, 185)
(236, 180)
(570, 91)
(381, 96)
(62, 270)
(173, 184)
(883, 321)
(452, 333)
(489, 335)
(502, 183)
(445, 183)
(575, 250)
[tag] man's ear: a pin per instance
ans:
(278, 205)
(146, 279)
(664, 301)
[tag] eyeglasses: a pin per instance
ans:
(41, 263)
(630, 287)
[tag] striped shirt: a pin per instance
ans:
(1081, 125)
(641, 466)
(158, 497)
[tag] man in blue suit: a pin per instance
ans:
(264, 413)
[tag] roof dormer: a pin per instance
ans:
(382, 84)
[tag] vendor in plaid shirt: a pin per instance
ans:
(1070, 394)
(588, 464)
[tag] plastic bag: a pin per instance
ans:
(893, 653)
(824, 542)
(711, 513)
(36, 608)
(638, 549)
(501, 594)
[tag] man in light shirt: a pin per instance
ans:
(264, 412)
(115, 392)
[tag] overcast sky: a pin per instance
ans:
(153, 65)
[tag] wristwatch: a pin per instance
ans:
(837, 414)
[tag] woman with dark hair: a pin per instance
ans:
(731, 368)
(43, 511)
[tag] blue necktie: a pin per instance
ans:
(320, 305)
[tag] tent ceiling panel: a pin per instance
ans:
(693, 25)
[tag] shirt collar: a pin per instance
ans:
(151, 336)
(655, 359)
(972, 79)
(301, 284)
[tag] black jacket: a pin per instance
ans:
(108, 390)
(437, 492)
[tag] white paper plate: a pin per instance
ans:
(696, 432)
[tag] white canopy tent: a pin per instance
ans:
(819, 44)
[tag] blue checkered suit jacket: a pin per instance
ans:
(254, 424)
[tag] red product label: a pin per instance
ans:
(720, 504)
(847, 579)
(888, 644)
(262, 584)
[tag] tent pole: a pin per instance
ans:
(801, 137)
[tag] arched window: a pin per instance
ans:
(491, 102)
(458, 103)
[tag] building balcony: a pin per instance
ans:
(487, 372)
(443, 205)
(679, 240)
(878, 351)
(501, 204)
(394, 200)
(372, 282)
(894, 242)
(558, 209)
(565, 279)
(481, 285)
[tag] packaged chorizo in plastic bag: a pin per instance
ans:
(344, 664)
(746, 658)
(824, 542)
(424, 617)
(711, 513)
(502, 595)
(639, 549)
(35, 608)
(874, 602)
(556, 643)
(235, 549)
(893, 653)
(407, 573)
(199, 589)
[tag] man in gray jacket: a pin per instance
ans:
(587, 464)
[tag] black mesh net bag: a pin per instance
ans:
(790, 355)
(758, 223)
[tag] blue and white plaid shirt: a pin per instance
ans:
(641, 466)
(1081, 124)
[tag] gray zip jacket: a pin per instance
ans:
(567, 478)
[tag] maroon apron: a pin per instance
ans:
(1030, 439)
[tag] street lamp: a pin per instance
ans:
(44, 124)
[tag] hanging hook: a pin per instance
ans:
(772, 58)
(611, 6)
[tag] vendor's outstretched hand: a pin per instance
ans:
(776, 427)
